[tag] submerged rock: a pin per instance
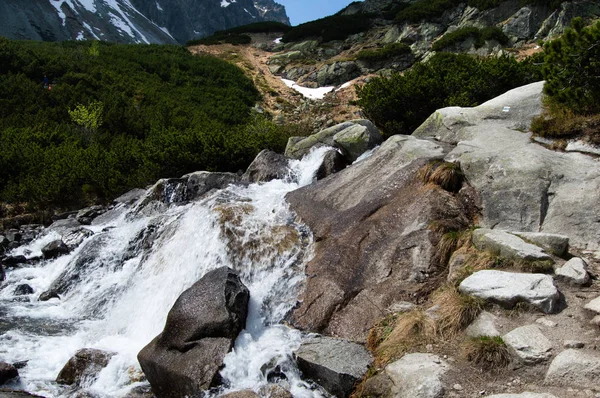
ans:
(74, 237)
(200, 330)
(55, 249)
(508, 288)
(335, 364)
(23, 289)
(7, 372)
(84, 366)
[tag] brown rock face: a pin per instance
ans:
(85, 364)
(374, 241)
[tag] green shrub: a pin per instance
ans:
(480, 36)
(386, 52)
(154, 111)
(572, 69)
(334, 27)
(257, 27)
(230, 38)
(400, 103)
(425, 9)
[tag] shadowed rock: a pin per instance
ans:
(84, 366)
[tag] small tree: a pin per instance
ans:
(88, 118)
(572, 69)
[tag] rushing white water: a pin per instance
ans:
(120, 289)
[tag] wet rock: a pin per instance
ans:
(84, 366)
(574, 271)
(168, 191)
(297, 147)
(202, 182)
(528, 344)
(418, 376)
(335, 364)
(13, 261)
(23, 290)
(55, 249)
(371, 224)
(553, 243)
(508, 245)
(508, 288)
(87, 215)
(574, 368)
(7, 372)
(130, 197)
(357, 139)
(332, 163)
(200, 330)
(74, 237)
(484, 325)
(241, 394)
(61, 226)
(20, 364)
(2, 273)
(4, 242)
(13, 235)
(274, 391)
(47, 295)
(267, 166)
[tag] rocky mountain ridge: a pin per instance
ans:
(130, 21)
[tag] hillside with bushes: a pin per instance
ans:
(113, 117)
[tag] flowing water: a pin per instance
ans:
(123, 280)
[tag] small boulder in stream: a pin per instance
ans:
(7, 372)
(54, 249)
(200, 330)
(84, 365)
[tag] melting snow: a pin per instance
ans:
(226, 3)
(80, 36)
(277, 40)
(158, 6)
(249, 13)
(312, 93)
(343, 86)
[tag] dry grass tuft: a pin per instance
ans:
(536, 267)
(487, 352)
(563, 124)
(412, 329)
(447, 175)
(455, 311)
(480, 260)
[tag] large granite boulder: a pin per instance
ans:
(553, 243)
(333, 161)
(508, 288)
(523, 186)
(574, 272)
(337, 73)
(335, 364)
(201, 182)
(267, 166)
(371, 224)
(418, 376)
(55, 249)
(200, 330)
(85, 365)
(528, 344)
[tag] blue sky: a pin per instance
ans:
(301, 11)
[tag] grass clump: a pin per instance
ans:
(455, 311)
(536, 267)
(381, 54)
(447, 175)
(412, 329)
(487, 351)
(561, 123)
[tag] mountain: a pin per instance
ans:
(130, 21)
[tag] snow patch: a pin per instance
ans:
(343, 86)
(312, 93)
(80, 36)
(226, 3)
(249, 13)
(90, 30)
(158, 6)
(277, 40)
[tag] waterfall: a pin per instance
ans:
(122, 281)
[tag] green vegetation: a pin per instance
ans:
(230, 38)
(400, 103)
(334, 27)
(381, 54)
(480, 36)
(117, 117)
(257, 27)
(571, 71)
(487, 351)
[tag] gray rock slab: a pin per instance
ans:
(418, 376)
(553, 243)
(508, 288)
(528, 344)
(575, 368)
(593, 305)
(357, 139)
(583, 147)
(508, 245)
(335, 364)
(523, 186)
(483, 325)
(574, 271)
